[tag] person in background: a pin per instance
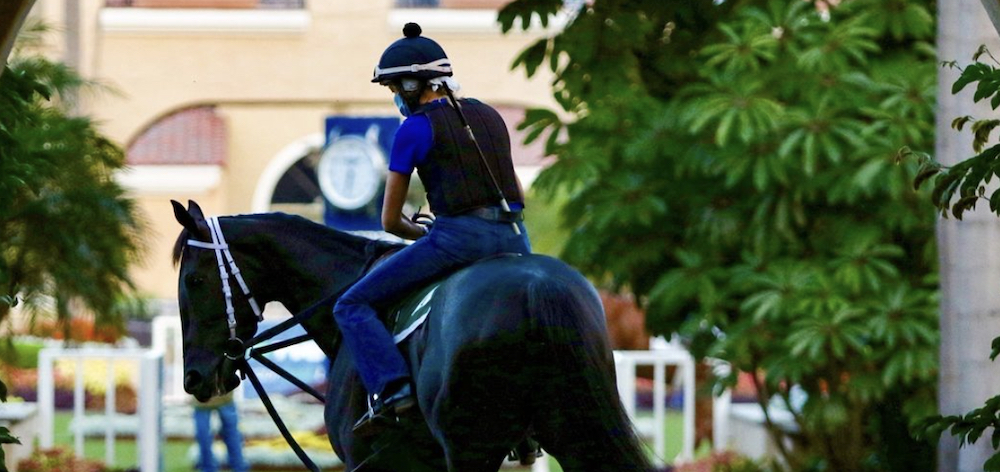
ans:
(229, 431)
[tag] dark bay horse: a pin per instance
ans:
(513, 345)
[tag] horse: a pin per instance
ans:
(514, 346)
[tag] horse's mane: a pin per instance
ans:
(290, 223)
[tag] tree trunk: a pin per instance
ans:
(12, 13)
(970, 267)
(993, 9)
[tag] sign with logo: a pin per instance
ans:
(352, 170)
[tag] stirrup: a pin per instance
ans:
(371, 424)
(381, 415)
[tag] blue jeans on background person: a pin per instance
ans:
(230, 433)
(453, 242)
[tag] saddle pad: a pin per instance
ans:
(411, 313)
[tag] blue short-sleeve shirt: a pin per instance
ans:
(412, 143)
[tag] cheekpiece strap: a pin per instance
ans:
(227, 269)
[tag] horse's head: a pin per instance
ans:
(213, 327)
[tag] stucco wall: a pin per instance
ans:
(274, 75)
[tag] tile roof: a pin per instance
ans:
(194, 135)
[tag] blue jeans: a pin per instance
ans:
(453, 242)
(230, 436)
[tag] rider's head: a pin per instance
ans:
(408, 64)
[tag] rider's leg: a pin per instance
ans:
(452, 243)
(381, 367)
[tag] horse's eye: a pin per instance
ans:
(194, 280)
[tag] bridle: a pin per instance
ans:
(241, 352)
(234, 347)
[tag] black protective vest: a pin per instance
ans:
(453, 173)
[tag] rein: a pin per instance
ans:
(241, 353)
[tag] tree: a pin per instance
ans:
(734, 165)
(69, 231)
(956, 190)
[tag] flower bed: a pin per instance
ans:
(62, 460)
(22, 377)
(275, 454)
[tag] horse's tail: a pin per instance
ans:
(579, 417)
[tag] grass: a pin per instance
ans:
(26, 354)
(175, 451)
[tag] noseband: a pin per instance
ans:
(234, 347)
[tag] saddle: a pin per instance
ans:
(407, 315)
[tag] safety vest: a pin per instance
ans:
(453, 173)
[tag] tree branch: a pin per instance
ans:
(777, 435)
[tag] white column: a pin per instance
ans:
(968, 249)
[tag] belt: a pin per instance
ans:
(496, 214)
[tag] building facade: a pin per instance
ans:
(232, 103)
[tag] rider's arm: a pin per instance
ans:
(412, 142)
(393, 221)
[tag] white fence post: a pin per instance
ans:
(46, 398)
(151, 413)
(167, 339)
(148, 436)
(625, 365)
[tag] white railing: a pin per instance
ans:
(625, 365)
(167, 339)
(148, 437)
(659, 358)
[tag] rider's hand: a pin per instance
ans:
(423, 220)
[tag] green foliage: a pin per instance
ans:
(970, 427)
(5, 436)
(957, 189)
(70, 233)
(734, 165)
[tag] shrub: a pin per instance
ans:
(58, 460)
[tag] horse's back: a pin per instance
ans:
(509, 334)
(500, 294)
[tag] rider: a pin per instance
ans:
(469, 222)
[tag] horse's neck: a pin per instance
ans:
(299, 263)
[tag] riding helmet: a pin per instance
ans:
(412, 56)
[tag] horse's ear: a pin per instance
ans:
(192, 219)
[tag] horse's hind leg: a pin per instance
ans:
(480, 411)
(476, 435)
(475, 461)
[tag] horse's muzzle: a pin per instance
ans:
(194, 385)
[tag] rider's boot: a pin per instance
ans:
(396, 399)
